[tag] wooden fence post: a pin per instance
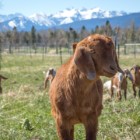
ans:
(118, 51)
(134, 51)
(60, 51)
(124, 49)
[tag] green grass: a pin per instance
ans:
(25, 107)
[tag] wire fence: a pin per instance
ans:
(126, 49)
(36, 49)
(132, 49)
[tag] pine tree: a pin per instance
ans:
(33, 38)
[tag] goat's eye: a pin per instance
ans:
(92, 51)
(109, 44)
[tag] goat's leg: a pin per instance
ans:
(134, 89)
(91, 128)
(111, 92)
(0, 90)
(139, 93)
(65, 131)
(119, 95)
(125, 94)
(45, 83)
(72, 133)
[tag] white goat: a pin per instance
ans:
(49, 76)
(118, 83)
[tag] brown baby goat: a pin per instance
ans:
(119, 82)
(135, 71)
(76, 91)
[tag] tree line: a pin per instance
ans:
(64, 38)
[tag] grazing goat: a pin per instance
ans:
(135, 71)
(119, 82)
(76, 91)
(50, 74)
(1, 78)
(107, 86)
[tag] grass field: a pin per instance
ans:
(25, 106)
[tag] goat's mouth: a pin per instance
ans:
(110, 72)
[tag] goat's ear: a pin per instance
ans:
(74, 46)
(131, 69)
(2, 77)
(84, 62)
(137, 68)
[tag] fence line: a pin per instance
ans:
(132, 49)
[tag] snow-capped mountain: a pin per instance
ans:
(84, 14)
(72, 15)
(21, 23)
(8, 17)
(44, 21)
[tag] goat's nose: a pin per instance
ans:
(120, 70)
(115, 68)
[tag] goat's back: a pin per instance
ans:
(119, 81)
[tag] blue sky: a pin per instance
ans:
(29, 7)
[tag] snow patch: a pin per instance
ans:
(66, 20)
(12, 24)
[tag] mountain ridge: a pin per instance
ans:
(63, 19)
